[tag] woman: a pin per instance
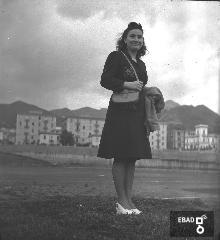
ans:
(124, 136)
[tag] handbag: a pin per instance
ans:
(126, 95)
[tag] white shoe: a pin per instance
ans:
(136, 211)
(121, 210)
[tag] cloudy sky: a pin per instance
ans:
(52, 52)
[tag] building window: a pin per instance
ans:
(83, 127)
(45, 125)
(26, 123)
(44, 136)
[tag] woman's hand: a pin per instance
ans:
(137, 85)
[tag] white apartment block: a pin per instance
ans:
(201, 132)
(200, 139)
(86, 130)
(213, 140)
(190, 140)
(158, 139)
(30, 125)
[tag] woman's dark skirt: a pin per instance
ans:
(124, 135)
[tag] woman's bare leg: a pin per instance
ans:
(129, 179)
(118, 173)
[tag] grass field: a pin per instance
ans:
(40, 201)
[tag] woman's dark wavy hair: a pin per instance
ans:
(121, 45)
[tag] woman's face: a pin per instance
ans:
(134, 39)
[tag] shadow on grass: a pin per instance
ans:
(85, 217)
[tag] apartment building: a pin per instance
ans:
(190, 140)
(30, 125)
(86, 130)
(52, 138)
(214, 141)
(200, 139)
(158, 139)
(175, 138)
(7, 136)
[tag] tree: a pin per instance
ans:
(66, 138)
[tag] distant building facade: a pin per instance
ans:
(52, 138)
(7, 136)
(30, 125)
(95, 140)
(175, 136)
(214, 141)
(190, 140)
(86, 130)
(200, 139)
(158, 139)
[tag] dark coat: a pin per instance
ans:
(124, 134)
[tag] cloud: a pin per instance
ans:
(53, 52)
(81, 10)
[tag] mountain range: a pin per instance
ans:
(186, 115)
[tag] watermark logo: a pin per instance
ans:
(199, 221)
(191, 223)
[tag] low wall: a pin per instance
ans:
(49, 149)
(188, 155)
(68, 159)
(87, 156)
(178, 163)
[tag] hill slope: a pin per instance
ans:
(8, 112)
(188, 116)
